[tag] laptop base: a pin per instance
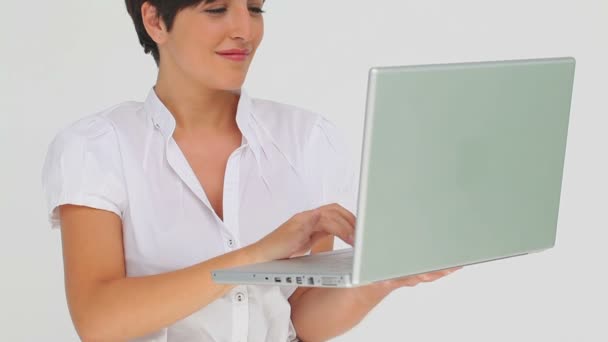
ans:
(328, 269)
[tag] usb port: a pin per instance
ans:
(277, 279)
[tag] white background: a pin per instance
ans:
(62, 59)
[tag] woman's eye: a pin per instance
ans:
(216, 10)
(256, 10)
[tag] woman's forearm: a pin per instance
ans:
(323, 313)
(126, 308)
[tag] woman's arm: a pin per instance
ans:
(315, 316)
(316, 312)
(323, 313)
(104, 304)
(319, 314)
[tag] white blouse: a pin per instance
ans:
(125, 160)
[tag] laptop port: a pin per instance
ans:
(299, 280)
(329, 281)
(288, 280)
(277, 279)
(311, 281)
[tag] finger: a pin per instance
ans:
(432, 276)
(324, 221)
(316, 237)
(312, 216)
(348, 216)
(334, 224)
(347, 229)
(407, 281)
(428, 277)
(448, 271)
(335, 207)
(414, 280)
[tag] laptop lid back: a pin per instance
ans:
(462, 163)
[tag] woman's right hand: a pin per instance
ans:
(297, 236)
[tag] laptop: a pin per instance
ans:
(462, 164)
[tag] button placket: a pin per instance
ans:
(240, 314)
(231, 188)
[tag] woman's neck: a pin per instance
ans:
(196, 107)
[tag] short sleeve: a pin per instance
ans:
(332, 166)
(83, 167)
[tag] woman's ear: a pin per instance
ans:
(155, 26)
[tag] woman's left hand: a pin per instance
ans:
(381, 289)
(414, 280)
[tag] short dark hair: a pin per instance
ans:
(167, 10)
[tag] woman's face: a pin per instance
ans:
(214, 42)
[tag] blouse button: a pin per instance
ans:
(239, 297)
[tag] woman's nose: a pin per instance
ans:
(240, 23)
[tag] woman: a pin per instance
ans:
(152, 196)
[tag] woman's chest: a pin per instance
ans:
(173, 222)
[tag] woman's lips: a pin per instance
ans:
(234, 54)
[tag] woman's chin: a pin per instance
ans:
(230, 85)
